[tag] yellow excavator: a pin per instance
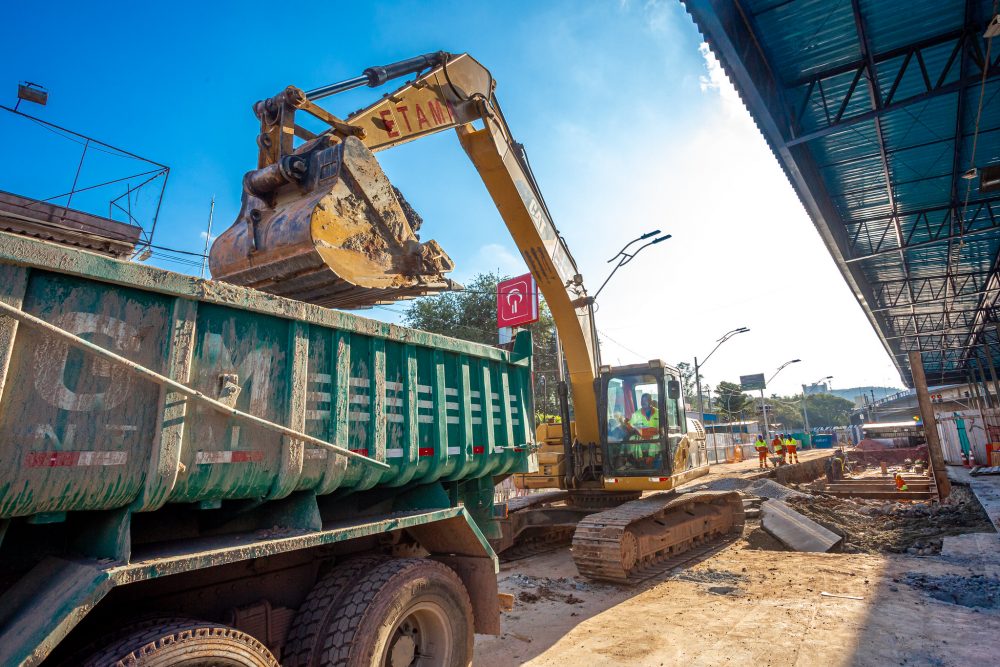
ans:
(320, 222)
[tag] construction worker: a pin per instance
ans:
(761, 446)
(779, 447)
(790, 446)
(901, 483)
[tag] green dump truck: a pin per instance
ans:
(197, 473)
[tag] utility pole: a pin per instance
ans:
(208, 237)
(763, 409)
(805, 411)
(930, 426)
(697, 380)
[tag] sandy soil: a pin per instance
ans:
(746, 606)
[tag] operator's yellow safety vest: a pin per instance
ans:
(639, 420)
(789, 442)
(760, 444)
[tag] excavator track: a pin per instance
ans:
(633, 541)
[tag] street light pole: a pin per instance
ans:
(697, 367)
(763, 401)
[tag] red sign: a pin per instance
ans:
(517, 301)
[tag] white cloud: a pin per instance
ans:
(497, 257)
(716, 81)
(204, 235)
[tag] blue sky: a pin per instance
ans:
(629, 127)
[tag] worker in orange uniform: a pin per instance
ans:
(761, 446)
(790, 446)
(778, 447)
(901, 483)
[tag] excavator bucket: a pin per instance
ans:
(326, 226)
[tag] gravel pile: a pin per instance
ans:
(976, 590)
(765, 488)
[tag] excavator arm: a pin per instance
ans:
(321, 223)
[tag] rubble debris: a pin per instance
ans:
(795, 530)
(973, 590)
(712, 576)
(916, 528)
(537, 589)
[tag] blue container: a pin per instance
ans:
(823, 440)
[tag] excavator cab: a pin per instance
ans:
(644, 428)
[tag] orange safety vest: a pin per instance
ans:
(777, 444)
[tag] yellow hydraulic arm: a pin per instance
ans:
(457, 93)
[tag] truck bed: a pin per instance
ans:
(81, 433)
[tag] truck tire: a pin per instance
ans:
(305, 641)
(407, 611)
(182, 643)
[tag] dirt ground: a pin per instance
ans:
(748, 605)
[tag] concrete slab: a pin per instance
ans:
(794, 530)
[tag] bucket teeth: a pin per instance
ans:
(337, 234)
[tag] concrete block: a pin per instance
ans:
(794, 530)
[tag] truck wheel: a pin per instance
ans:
(305, 641)
(183, 643)
(404, 612)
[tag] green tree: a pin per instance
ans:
(471, 314)
(730, 401)
(828, 410)
(784, 412)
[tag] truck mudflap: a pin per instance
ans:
(41, 609)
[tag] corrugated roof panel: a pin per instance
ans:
(891, 24)
(804, 36)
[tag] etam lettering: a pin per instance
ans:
(404, 119)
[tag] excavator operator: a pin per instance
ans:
(646, 420)
(644, 424)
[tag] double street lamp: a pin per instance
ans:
(625, 257)
(697, 366)
(805, 412)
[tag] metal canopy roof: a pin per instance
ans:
(871, 108)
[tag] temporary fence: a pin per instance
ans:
(729, 447)
(979, 427)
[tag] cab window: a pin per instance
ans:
(634, 422)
